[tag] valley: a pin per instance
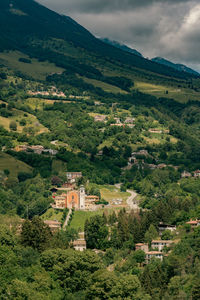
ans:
(99, 166)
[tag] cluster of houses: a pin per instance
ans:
(136, 159)
(73, 197)
(158, 247)
(38, 149)
(195, 174)
(128, 121)
(154, 130)
(156, 251)
(52, 92)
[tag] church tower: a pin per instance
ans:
(82, 198)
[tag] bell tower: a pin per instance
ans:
(82, 198)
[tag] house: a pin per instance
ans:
(38, 149)
(130, 125)
(100, 153)
(186, 174)
(73, 176)
(194, 223)
(117, 120)
(160, 244)
(196, 173)
(117, 124)
(129, 120)
(154, 130)
(90, 202)
(152, 166)
(141, 246)
(162, 227)
(117, 201)
(21, 148)
(68, 185)
(54, 225)
(161, 166)
(50, 151)
(59, 201)
(79, 245)
(100, 118)
(140, 153)
(154, 254)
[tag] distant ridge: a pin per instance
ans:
(121, 46)
(179, 67)
(26, 24)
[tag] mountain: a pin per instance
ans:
(27, 26)
(179, 67)
(121, 46)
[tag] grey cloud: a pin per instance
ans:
(167, 28)
(105, 6)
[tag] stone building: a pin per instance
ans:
(76, 199)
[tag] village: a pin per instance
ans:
(72, 197)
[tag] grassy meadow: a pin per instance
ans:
(13, 165)
(37, 70)
(79, 218)
(18, 115)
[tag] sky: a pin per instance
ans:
(166, 28)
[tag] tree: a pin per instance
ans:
(151, 234)
(196, 289)
(35, 234)
(6, 237)
(139, 256)
(106, 285)
(13, 125)
(166, 235)
(6, 172)
(96, 232)
(55, 180)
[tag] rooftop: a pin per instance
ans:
(162, 241)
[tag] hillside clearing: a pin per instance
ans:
(104, 86)
(37, 70)
(180, 94)
(79, 218)
(13, 165)
(18, 115)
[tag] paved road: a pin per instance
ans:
(67, 219)
(131, 201)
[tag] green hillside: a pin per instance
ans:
(14, 166)
(71, 103)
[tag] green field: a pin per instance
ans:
(79, 218)
(37, 70)
(179, 94)
(13, 165)
(8, 221)
(52, 214)
(38, 103)
(110, 192)
(104, 86)
(18, 115)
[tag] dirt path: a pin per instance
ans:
(131, 201)
(67, 219)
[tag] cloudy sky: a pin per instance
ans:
(167, 28)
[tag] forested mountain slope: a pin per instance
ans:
(23, 21)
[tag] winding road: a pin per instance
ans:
(131, 201)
